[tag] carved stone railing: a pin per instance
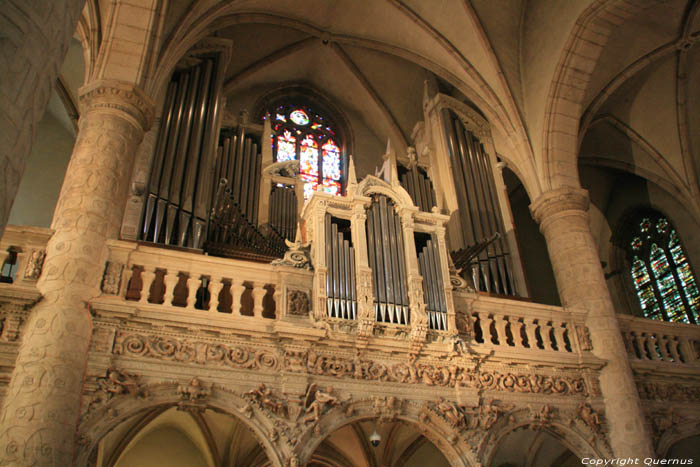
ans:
(522, 328)
(660, 342)
(156, 278)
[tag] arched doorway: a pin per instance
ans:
(526, 447)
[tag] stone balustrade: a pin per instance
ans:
(656, 341)
(520, 326)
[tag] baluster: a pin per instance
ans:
(628, 339)
(516, 327)
(641, 345)
(193, 284)
(663, 344)
(127, 272)
(258, 293)
(477, 323)
(148, 275)
(530, 332)
(215, 286)
(501, 325)
(237, 290)
(277, 297)
(170, 280)
(686, 351)
(558, 327)
(650, 342)
(673, 347)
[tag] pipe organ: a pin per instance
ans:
(416, 182)
(283, 210)
(433, 288)
(180, 185)
(385, 248)
(340, 281)
(378, 259)
(480, 216)
(239, 163)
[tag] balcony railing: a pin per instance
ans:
(655, 341)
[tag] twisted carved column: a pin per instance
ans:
(562, 215)
(41, 410)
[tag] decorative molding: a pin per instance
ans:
(110, 95)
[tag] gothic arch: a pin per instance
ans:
(103, 419)
(678, 433)
(567, 436)
(455, 449)
(563, 108)
(372, 185)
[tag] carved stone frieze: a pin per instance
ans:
(298, 302)
(193, 351)
(672, 391)
(542, 416)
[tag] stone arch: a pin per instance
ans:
(455, 449)
(105, 418)
(576, 442)
(563, 109)
(372, 185)
(679, 432)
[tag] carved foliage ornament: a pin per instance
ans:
(448, 374)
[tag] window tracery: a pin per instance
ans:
(661, 274)
(301, 133)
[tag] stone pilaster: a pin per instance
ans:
(42, 406)
(563, 218)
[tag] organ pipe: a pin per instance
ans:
(179, 190)
(418, 185)
(433, 287)
(340, 279)
(387, 260)
(480, 217)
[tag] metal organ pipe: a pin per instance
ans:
(386, 256)
(180, 187)
(479, 208)
(340, 279)
(419, 187)
(433, 287)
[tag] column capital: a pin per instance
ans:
(118, 97)
(559, 200)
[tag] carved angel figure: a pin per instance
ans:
(452, 412)
(315, 401)
(118, 382)
(589, 416)
(264, 396)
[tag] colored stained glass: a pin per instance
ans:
(309, 156)
(299, 117)
(286, 147)
(636, 243)
(661, 274)
(332, 187)
(331, 161)
(310, 184)
(645, 291)
(300, 132)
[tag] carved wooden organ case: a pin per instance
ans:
(378, 258)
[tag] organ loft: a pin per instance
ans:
(349, 233)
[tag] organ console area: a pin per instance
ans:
(379, 250)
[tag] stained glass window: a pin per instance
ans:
(661, 274)
(301, 133)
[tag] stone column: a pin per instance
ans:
(41, 410)
(34, 39)
(562, 215)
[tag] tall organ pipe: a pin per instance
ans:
(385, 244)
(180, 188)
(478, 204)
